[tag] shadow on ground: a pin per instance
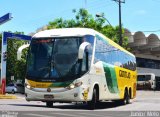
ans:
(100, 105)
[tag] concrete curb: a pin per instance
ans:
(7, 96)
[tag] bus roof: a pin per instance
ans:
(68, 32)
(65, 32)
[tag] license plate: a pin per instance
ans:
(48, 96)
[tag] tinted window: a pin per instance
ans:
(57, 58)
(144, 77)
(20, 85)
(109, 54)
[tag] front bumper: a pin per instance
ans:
(73, 95)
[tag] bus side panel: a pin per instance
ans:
(111, 78)
(105, 76)
(126, 79)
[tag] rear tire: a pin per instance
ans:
(49, 104)
(126, 99)
(92, 103)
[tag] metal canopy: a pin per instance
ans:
(5, 37)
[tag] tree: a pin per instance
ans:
(84, 19)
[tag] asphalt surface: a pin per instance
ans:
(146, 103)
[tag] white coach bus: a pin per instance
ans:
(78, 65)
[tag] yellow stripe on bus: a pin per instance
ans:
(39, 84)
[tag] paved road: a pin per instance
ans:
(145, 101)
(66, 114)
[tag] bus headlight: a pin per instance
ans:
(72, 86)
(28, 86)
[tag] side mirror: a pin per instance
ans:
(82, 49)
(19, 52)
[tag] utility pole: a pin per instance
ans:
(120, 24)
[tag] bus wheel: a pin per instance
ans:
(92, 103)
(126, 99)
(49, 104)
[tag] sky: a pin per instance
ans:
(29, 15)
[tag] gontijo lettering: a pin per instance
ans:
(124, 74)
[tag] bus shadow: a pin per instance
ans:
(27, 105)
(100, 105)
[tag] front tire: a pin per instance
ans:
(92, 103)
(49, 104)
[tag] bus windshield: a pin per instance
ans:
(54, 59)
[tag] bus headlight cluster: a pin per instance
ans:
(28, 86)
(72, 86)
(78, 84)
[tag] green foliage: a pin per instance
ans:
(84, 19)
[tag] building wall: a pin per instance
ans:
(147, 70)
(149, 56)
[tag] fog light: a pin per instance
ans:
(75, 94)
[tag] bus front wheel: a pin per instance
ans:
(49, 104)
(92, 103)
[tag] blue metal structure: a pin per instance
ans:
(5, 18)
(5, 37)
